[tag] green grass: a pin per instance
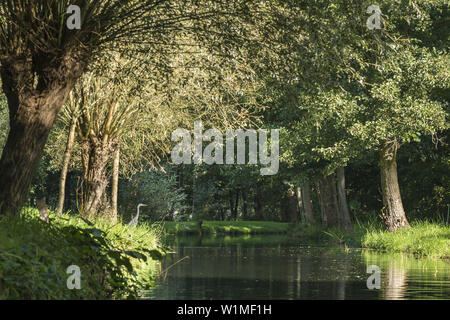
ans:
(116, 261)
(429, 239)
(226, 227)
(422, 239)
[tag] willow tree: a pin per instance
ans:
(41, 60)
(126, 110)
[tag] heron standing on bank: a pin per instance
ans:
(134, 221)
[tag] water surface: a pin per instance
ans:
(276, 267)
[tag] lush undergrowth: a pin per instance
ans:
(116, 261)
(226, 227)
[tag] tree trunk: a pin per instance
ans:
(329, 202)
(393, 213)
(301, 208)
(288, 205)
(283, 204)
(96, 155)
(115, 183)
(244, 204)
(258, 205)
(36, 91)
(231, 204)
(293, 213)
(68, 197)
(320, 192)
(236, 205)
(31, 119)
(344, 214)
(307, 202)
(65, 167)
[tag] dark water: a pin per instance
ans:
(274, 267)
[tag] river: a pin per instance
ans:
(276, 267)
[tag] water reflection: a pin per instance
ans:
(395, 283)
(274, 267)
(406, 277)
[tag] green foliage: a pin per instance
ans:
(116, 261)
(364, 87)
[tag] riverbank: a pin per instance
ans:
(115, 260)
(226, 227)
(422, 239)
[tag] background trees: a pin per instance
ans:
(363, 93)
(131, 105)
(346, 98)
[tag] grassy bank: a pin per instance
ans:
(226, 227)
(422, 239)
(115, 261)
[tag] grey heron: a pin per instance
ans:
(134, 221)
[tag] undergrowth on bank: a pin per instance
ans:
(116, 261)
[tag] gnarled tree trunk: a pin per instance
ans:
(95, 157)
(36, 89)
(31, 119)
(393, 213)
